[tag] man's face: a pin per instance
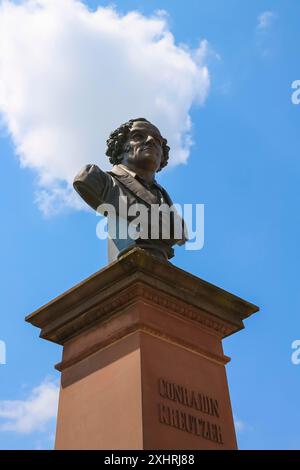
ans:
(144, 147)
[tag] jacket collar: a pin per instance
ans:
(125, 177)
(128, 178)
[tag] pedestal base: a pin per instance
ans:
(143, 365)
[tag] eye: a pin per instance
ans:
(137, 136)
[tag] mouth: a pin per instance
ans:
(147, 148)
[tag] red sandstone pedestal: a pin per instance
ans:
(143, 365)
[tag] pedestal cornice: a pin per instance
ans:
(139, 276)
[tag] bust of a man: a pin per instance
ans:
(137, 151)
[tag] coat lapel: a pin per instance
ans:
(133, 185)
(140, 191)
(165, 194)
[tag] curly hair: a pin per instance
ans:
(117, 138)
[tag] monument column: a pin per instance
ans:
(143, 365)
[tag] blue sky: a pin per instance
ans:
(244, 166)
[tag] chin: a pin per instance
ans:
(149, 158)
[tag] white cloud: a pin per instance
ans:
(264, 40)
(69, 75)
(32, 414)
(265, 20)
(241, 426)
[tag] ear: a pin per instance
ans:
(122, 156)
(126, 148)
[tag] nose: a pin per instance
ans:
(150, 139)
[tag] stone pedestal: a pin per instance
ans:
(143, 365)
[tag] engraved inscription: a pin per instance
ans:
(189, 398)
(188, 421)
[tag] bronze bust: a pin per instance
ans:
(137, 151)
